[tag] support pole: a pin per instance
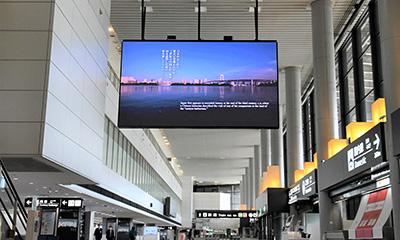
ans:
(256, 20)
(198, 19)
(143, 20)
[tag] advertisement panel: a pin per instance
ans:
(199, 84)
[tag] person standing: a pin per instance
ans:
(110, 234)
(98, 232)
(132, 233)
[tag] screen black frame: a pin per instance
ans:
(201, 127)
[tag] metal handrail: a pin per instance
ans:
(19, 213)
(13, 190)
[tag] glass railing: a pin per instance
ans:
(113, 77)
(122, 157)
(153, 140)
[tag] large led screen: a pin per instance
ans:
(199, 84)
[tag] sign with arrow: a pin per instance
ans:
(28, 202)
(358, 157)
(304, 189)
(56, 202)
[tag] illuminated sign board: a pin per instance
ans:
(304, 189)
(225, 214)
(357, 158)
(58, 202)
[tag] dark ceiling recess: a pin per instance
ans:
(26, 164)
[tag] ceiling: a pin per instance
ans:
(39, 178)
(220, 155)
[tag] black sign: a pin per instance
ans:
(71, 202)
(396, 132)
(28, 202)
(225, 214)
(358, 157)
(59, 202)
(304, 189)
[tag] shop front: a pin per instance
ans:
(357, 181)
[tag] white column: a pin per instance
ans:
(390, 42)
(265, 139)
(326, 116)
(252, 183)
(295, 158)
(187, 201)
(248, 191)
(244, 188)
(277, 147)
(257, 168)
(241, 192)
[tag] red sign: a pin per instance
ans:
(373, 212)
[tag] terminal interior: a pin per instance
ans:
(199, 119)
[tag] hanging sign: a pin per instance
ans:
(358, 157)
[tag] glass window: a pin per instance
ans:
(115, 150)
(119, 161)
(348, 55)
(110, 145)
(351, 116)
(351, 98)
(367, 101)
(367, 71)
(365, 34)
(105, 141)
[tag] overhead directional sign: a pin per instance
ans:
(368, 149)
(358, 157)
(304, 189)
(59, 202)
(28, 202)
(48, 202)
(225, 214)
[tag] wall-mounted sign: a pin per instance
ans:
(225, 214)
(358, 157)
(304, 189)
(60, 202)
(368, 149)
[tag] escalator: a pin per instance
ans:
(12, 209)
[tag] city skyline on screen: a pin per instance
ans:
(177, 62)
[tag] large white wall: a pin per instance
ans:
(187, 201)
(54, 91)
(24, 39)
(137, 136)
(211, 201)
(76, 100)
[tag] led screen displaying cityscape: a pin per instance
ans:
(199, 84)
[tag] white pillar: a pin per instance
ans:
(248, 192)
(241, 202)
(265, 140)
(390, 45)
(326, 116)
(187, 201)
(277, 147)
(257, 168)
(294, 128)
(252, 184)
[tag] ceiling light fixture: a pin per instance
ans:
(202, 9)
(149, 9)
(251, 9)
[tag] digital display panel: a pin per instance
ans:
(199, 84)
